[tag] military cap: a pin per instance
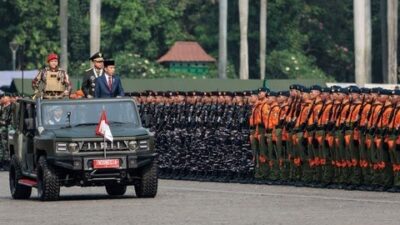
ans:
(144, 93)
(150, 93)
(135, 94)
(325, 89)
(335, 89)
(365, 90)
(301, 87)
(315, 88)
(239, 93)
(109, 62)
(98, 56)
(229, 93)
(207, 93)
(263, 89)
(304, 89)
(376, 90)
(344, 90)
(354, 89)
(180, 93)
(284, 93)
(190, 93)
(272, 93)
(384, 92)
(396, 92)
(294, 86)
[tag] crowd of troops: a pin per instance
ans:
(199, 135)
(335, 137)
(6, 111)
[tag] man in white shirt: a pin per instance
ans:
(57, 116)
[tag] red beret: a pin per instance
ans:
(51, 57)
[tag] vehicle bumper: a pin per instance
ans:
(85, 162)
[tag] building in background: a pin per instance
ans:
(187, 57)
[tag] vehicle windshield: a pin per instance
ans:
(55, 114)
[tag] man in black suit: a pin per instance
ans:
(108, 85)
(89, 79)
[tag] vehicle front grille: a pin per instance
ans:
(92, 146)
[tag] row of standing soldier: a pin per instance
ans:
(199, 135)
(328, 136)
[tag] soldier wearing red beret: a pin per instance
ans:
(51, 82)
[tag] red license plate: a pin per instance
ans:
(105, 163)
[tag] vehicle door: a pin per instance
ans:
(28, 133)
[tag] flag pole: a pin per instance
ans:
(105, 146)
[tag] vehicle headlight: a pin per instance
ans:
(133, 145)
(73, 147)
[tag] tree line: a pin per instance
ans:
(304, 38)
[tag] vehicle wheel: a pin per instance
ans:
(115, 189)
(48, 183)
(18, 191)
(147, 186)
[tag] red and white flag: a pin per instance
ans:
(102, 128)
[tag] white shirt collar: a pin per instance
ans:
(95, 74)
(107, 76)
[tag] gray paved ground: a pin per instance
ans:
(185, 202)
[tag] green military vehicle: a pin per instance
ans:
(55, 144)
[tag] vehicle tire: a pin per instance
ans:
(115, 189)
(147, 186)
(48, 183)
(18, 191)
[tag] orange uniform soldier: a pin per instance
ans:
(371, 139)
(365, 158)
(289, 131)
(321, 135)
(383, 168)
(281, 136)
(258, 139)
(312, 143)
(352, 136)
(393, 140)
(341, 165)
(271, 120)
(301, 155)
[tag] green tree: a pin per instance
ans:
(38, 30)
(78, 36)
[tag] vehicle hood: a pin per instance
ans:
(90, 132)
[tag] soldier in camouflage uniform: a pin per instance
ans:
(5, 122)
(51, 82)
